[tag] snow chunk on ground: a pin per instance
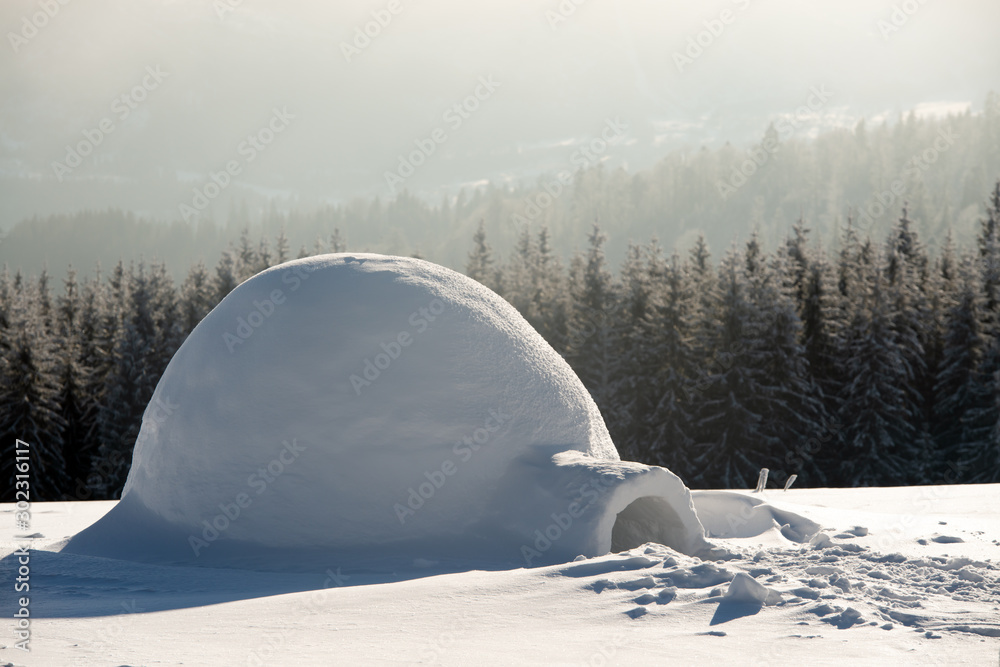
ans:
(728, 514)
(745, 589)
(369, 404)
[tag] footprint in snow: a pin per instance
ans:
(607, 566)
(636, 584)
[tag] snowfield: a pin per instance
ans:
(906, 575)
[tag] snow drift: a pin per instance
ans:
(369, 405)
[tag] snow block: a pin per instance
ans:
(745, 589)
(730, 514)
(359, 404)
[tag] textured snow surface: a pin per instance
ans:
(881, 592)
(353, 402)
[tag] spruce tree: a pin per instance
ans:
(281, 249)
(29, 399)
(548, 299)
(822, 324)
(988, 242)
(592, 337)
(760, 403)
(338, 242)
(137, 354)
(517, 286)
(728, 450)
(76, 406)
(704, 283)
(197, 297)
(671, 363)
(227, 275)
(264, 258)
(791, 400)
(168, 332)
(247, 259)
(876, 413)
(92, 359)
(6, 305)
(917, 331)
(480, 266)
(43, 293)
(799, 263)
(958, 392)
(979, 457)
(977, 460)
(632, 385)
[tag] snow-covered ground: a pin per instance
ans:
(909, 576)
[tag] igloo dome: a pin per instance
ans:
(367, 405)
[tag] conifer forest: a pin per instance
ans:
(870, 361)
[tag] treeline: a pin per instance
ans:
(941, 166)
(876, 363)
(78, 369)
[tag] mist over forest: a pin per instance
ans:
(644, 109)
(939, 167)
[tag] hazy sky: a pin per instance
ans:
(227, 65)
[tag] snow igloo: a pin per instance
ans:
(359, 405)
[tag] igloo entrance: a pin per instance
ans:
(648, 519)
